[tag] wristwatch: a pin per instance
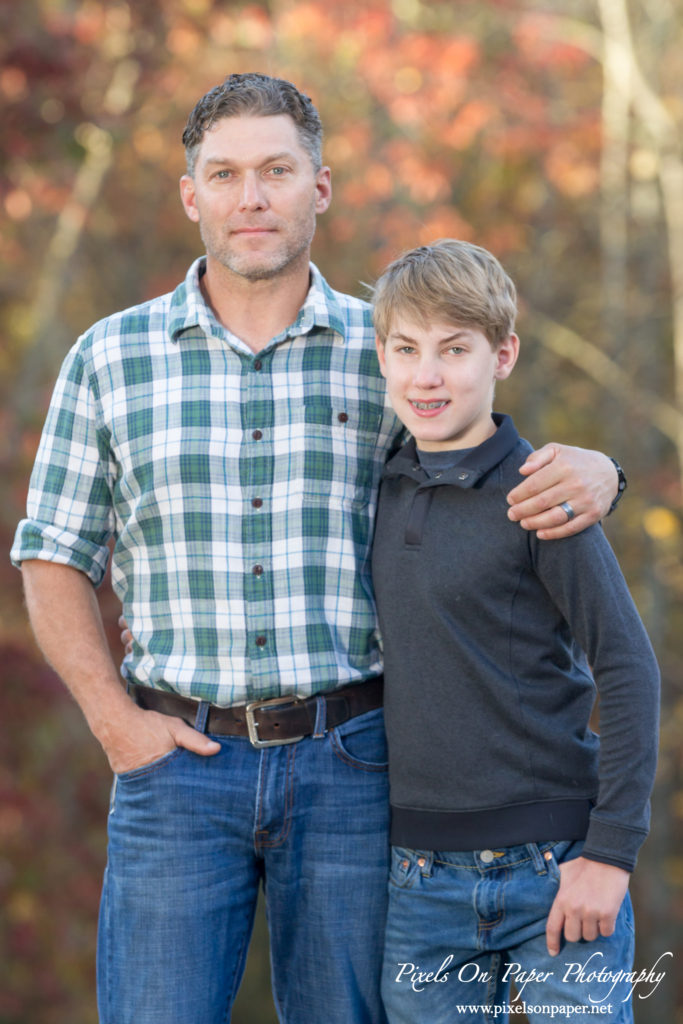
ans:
(623, 484)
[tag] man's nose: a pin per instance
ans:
(252, 196)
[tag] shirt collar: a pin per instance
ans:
(189, 310)
(469, 470)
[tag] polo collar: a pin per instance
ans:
(188, 311)
(476, 464)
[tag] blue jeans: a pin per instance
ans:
(463, 926)
(190, 840)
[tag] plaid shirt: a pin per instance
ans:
(240, 489)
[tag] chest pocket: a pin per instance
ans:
(334, 449)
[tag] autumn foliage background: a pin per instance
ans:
(547, 130)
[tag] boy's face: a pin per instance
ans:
(441, 378)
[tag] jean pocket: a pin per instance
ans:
(561, 852)
(151, 768)
(361, 742)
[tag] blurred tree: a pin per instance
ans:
(549, 132)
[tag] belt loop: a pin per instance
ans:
(202, 718)
(319, 729)
(539, 861)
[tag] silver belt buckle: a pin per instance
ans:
(252, 724)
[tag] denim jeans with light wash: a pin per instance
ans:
(190, 840)
(463, 926)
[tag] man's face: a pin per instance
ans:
(255, 196)
(440, 379)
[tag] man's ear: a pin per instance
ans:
(506, 357)
(188, 197)
(323, 189)
(381, 355)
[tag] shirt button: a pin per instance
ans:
(343, 417)
(257, 570)
(257, 502)
(463, 476)
(257, 435)
(486, 856)
(261, 641)
(258, 365)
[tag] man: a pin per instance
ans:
(231, 436)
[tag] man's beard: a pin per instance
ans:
(259, 266)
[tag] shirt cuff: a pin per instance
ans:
(613, 844)
(49, 543)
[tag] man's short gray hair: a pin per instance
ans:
(254, 94)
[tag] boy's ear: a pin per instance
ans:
(506, 357)
(381, 355)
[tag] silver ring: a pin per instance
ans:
(566, 507)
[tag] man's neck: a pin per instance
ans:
(255, 311)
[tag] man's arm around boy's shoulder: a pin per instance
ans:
(558, 473)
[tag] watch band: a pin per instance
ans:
(623, 484)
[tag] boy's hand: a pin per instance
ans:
(557, 473)
(587, 902)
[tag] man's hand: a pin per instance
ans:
(556, 473)
(149, 735)
(126, 635)
(587, 902)
(144, 736)
(61, 602)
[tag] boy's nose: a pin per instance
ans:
(428, 375)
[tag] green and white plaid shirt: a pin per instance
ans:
(240, 490)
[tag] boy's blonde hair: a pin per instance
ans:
(451, 282)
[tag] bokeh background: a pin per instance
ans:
(546, 130)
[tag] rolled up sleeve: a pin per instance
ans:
(70, 515)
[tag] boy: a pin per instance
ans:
(513, 824)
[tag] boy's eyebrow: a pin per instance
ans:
(399, 336)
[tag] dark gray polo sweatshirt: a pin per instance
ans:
(488, 634)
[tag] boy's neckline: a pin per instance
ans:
(441, 460)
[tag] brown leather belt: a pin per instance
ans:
(268, 722)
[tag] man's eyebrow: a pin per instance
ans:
(284, 155)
